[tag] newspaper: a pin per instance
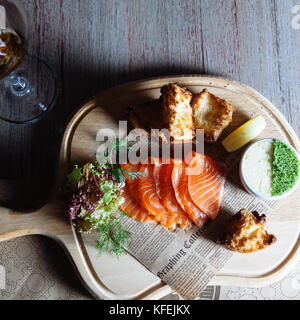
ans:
(187, 261)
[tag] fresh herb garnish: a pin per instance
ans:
(116, 146)
(97, 194)
(135, 174)
(74, 177)
(113, 237)
(117, 172)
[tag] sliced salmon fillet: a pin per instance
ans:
(206, 180)
(156, 174)
(180, 186)
(131, 184)
(168, 197)
(150, 200)
(133, 209)
(131, 205)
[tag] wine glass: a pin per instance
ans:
(28, 86)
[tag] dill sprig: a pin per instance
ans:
(113, 237)
(117, 172)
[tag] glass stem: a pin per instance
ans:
(18, 85)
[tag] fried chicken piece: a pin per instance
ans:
(177, 112)
(211, 114)
(246, 232)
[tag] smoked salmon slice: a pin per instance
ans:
(131, 184)
(180, 186)
(150, 200)
(168, 197)
(206, 180)
(175, 193)
(133, 209)
(131, 205)
(156, 174)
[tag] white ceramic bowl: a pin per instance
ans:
(249, 189)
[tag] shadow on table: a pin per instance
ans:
(24, 195)
(29, 162)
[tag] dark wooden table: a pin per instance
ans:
(96, 44)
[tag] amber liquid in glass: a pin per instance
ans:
(12, 51)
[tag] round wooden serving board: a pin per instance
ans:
(110, 278)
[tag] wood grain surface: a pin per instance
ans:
(97, 44)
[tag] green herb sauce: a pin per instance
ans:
(285, 168)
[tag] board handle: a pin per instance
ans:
(49, 220)
(15, 224)
(52, 221)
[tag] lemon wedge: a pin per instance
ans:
(243, 134)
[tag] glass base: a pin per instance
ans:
(29, 92)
